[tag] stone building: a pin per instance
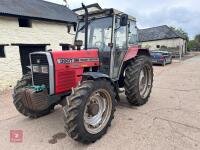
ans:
(163, 37)
(27, 26)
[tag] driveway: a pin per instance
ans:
(170, 120)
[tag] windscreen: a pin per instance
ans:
(99, 33)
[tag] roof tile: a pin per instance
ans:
(37, 9)
(158, 33)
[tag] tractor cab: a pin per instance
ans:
(111, 32)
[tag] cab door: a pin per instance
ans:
(120, 48)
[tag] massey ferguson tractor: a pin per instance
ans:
(87, 81)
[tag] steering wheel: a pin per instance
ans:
(100, 45)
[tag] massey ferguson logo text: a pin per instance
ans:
(75, 60)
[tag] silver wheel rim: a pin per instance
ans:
(145, 81)
(96, 120)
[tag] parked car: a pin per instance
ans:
(161, 57)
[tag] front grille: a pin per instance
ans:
(39, 59)
(40, 78)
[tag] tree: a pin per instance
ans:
(193, 44)
(197, 38)
(181, 31)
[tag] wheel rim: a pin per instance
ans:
(145, 81)
(97, 111)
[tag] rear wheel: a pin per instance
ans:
(90, 110)
(139, 80)
(23, 102)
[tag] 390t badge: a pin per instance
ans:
(65, 60)
(75, 60)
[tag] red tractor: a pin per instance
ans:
(87, 81)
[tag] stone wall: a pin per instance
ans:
(152, 45)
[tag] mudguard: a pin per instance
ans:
(96, 75)
(134, 51)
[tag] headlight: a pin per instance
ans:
(36, 69)
(44, 69)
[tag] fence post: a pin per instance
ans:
(180, 54)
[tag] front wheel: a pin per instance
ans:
(90, 110)
(139, 80)
(24, 102)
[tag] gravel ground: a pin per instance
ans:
(170, 120)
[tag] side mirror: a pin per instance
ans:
(124, 20)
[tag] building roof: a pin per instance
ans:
(37, 9)
(158, 33)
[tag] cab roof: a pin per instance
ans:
(108, 12)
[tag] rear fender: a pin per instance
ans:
(134, 51)
(130, 55)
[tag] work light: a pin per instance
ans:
(36, 69)
(44, 69)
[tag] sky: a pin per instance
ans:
(183, 14)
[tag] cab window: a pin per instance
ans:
(120, 36)
(132, 33)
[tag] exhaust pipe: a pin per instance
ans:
(86, 25)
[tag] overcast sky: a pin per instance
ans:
(149, 13)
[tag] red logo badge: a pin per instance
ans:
(16, 136)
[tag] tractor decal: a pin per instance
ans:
(75, 60)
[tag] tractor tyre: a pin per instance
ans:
(89, 110)
(139, 80)
(20, 101)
